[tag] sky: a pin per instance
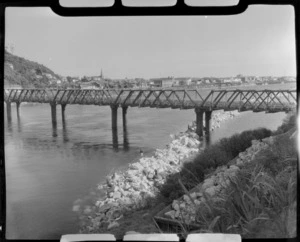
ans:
(260, 42)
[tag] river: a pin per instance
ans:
(47, 170)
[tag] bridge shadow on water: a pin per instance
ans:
(64, 130)
(54, 130)
(115, 138)
(10, 124)
(19, 122)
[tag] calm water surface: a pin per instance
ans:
(47, 169)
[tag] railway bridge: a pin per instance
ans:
(202, 101)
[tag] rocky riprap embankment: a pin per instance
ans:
(128, 190)
(184, 209)
(219, 116)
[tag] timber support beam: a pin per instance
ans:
(207, 121)
(8, 111)
(114, 117)
(53, 113)
(124, 113)
(63, 108)
(125, 138)
(18, 108)
(114, 125)
(199, 122)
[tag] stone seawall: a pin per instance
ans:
(129, 189)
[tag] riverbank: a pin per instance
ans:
(134, 187)
(254, 195)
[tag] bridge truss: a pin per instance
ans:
(242, 100)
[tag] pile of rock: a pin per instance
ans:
(129, 189)
(184, 209)
(220, 116)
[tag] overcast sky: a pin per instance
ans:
(260, 41)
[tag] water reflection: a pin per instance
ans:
(125, 138)
(19, 122)
(80, 151)
(54, 129)
(64, 130)
(9, 126)
(9, 122)
(8, 112)
(115, 139)
(63, 108)
(125, 133)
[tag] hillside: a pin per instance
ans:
(26, 73)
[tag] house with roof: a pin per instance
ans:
(227, 80)
(196, 81)
(141, 82)
(183, 81)
(287, 79)
(236, 80)
(162, 82)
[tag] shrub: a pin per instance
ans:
(261, 197)
(285, 147)
(289, 122)
(253, 196)
(212, 156)
(190, 176)
(171, 189)
(269, 161)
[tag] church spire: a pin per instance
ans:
(101, 74)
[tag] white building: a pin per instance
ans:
(236, 80)
(184, 81)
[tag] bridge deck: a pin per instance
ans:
(243, 100)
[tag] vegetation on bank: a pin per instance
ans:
(260, 201)
(208, 160)
(289, 123)
(25, 73)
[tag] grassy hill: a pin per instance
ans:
(26, 73)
